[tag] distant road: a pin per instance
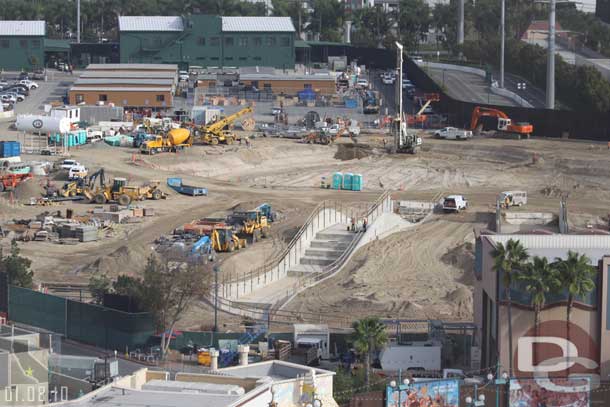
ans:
(467, 87)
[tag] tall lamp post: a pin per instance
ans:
(400, 389)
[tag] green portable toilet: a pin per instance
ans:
(337, 180)
(357, 182)
(347, 181)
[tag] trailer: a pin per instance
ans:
(177, 185)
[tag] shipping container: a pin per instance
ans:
(10, 149)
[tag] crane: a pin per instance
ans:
(219, 131)
(505, 124)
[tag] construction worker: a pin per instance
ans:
(247, 142)
(365, 222)
(353, 224)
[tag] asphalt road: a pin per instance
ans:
(535, 96)
(387, 94)
(467, 87)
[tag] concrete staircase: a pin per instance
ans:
(328, 245)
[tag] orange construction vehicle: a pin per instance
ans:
(505, 124)
(419, 118)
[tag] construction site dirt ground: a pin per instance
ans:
(423, 272)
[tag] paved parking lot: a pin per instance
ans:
(52, 90)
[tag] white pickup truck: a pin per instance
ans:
(454, 203)
(452, 133)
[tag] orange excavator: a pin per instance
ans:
(505, 124)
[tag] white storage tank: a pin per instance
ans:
(42, 124)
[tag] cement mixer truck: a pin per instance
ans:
(174, 140)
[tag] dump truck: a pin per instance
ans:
(175, 140)
(250, 224)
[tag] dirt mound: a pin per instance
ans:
(461, 256)
(462, 299)
(31, 188)
(123, 260)
(347, 152)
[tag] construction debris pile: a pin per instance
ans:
(71, 229)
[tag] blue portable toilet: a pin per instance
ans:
(357, 182)
(337, 180)
(347, 181)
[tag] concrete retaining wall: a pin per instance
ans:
(325, 218)
(479, 72)
(528, 218)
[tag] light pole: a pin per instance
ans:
(216, 270)
(502, 40)
(550, 66)
(521, 86)
(394, 385)
(78, 21)
(399, 62)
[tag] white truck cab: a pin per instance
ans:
(454, 203)
(512, 198)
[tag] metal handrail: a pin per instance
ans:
(264, 313)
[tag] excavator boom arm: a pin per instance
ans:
(222, 123)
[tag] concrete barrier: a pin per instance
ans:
(479, 72)
(528, 218)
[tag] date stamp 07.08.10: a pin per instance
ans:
(34, 394)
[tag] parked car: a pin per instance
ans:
(77, 172)
(67, 164)
(8, 98)
(3, 83)
(30, 84)
(38, 74)
(362, 83)
(388, 80)
(512, 198)
(17, 87)
(452, 133)
(24, 75)
(454, 203)
(183, 76)
(417, 59)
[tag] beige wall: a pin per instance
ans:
(117, 97)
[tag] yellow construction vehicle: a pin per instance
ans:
(220, 131)
(119, 191)
(253, 224)
(224, 240)
(176, 139)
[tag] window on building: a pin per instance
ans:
(200, 58)
(229, 41)
(243, 42)
(284, 41)
(307, 86)
(243, 58)
(267, 87)
(270, 41)
(5, 44)
(36, 44)
(160, 98)
(79, 98)
(201, 41)
(214, 58)
(228, 58)
(258, 42)
(103, 98)
(214, 41)
(23, 43)
(257, 58)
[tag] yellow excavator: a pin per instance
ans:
(252, 224)
(220, 130)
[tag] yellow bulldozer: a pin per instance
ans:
(119, 191)
(252, 224)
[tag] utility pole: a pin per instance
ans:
(550, 65)
(399, 62)
(78, 21)
(502, 41)
(460, 30)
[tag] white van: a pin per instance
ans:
(77, 172)
(512, 198)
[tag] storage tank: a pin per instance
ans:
(178, 136)
(42, 124)
(357, 182)
(347, 181)
(337, 180)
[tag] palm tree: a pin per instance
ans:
(509, 260)
(369, 336)
(578, 276)
(539, 278)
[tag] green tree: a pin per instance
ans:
(509, 261)
(369, 336)
(443, 19)
(99, 286)
(171, 285)
(17, 267)
(413, 21)
(372, 27)
(579, 277)
(128, 286)
(539, 278)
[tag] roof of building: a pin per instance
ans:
(125, 81)
(129, 74)
(551, 246)
(132, 67)
(257, 24)
(22, 28)
(150, 23)
(119, 89)
(277, 370)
